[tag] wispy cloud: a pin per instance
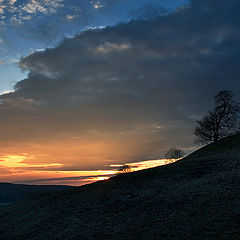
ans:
(97, 4)
(24, 10)
(44, 6)
(109, 47)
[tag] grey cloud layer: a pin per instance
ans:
(144, 79)
(29, 25)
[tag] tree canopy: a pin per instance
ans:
(222, 121)
(174, 153)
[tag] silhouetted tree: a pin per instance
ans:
(125, 169)
(222, 121)
(174, 154)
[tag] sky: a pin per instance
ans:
(27, 26)
(90, 85)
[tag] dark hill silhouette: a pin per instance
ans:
(10, 193)
(195, 198)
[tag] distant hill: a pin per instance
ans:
(10, 193)
(192, 199)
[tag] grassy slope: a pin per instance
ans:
(195, 198)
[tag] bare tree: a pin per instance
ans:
(174, 154)
(222, 121)
(125, 169)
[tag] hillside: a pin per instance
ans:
(195, 198)
(12, 192)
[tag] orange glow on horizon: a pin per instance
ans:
(15, 161)
(21, 169)
(97, 179)
(150, 164)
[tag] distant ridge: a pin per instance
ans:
(10, 192)
(196, 198)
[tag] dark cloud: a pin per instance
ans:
(140, 84)
(43, 23)
(148, 11)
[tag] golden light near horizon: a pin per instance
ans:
(137, 166)
(17, 161)
(147, 164)
(20, 170)
(97, 179)
(68, 160)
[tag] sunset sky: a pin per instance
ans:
(89, 85)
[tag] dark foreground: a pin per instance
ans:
(10, 193)
(195, 198)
